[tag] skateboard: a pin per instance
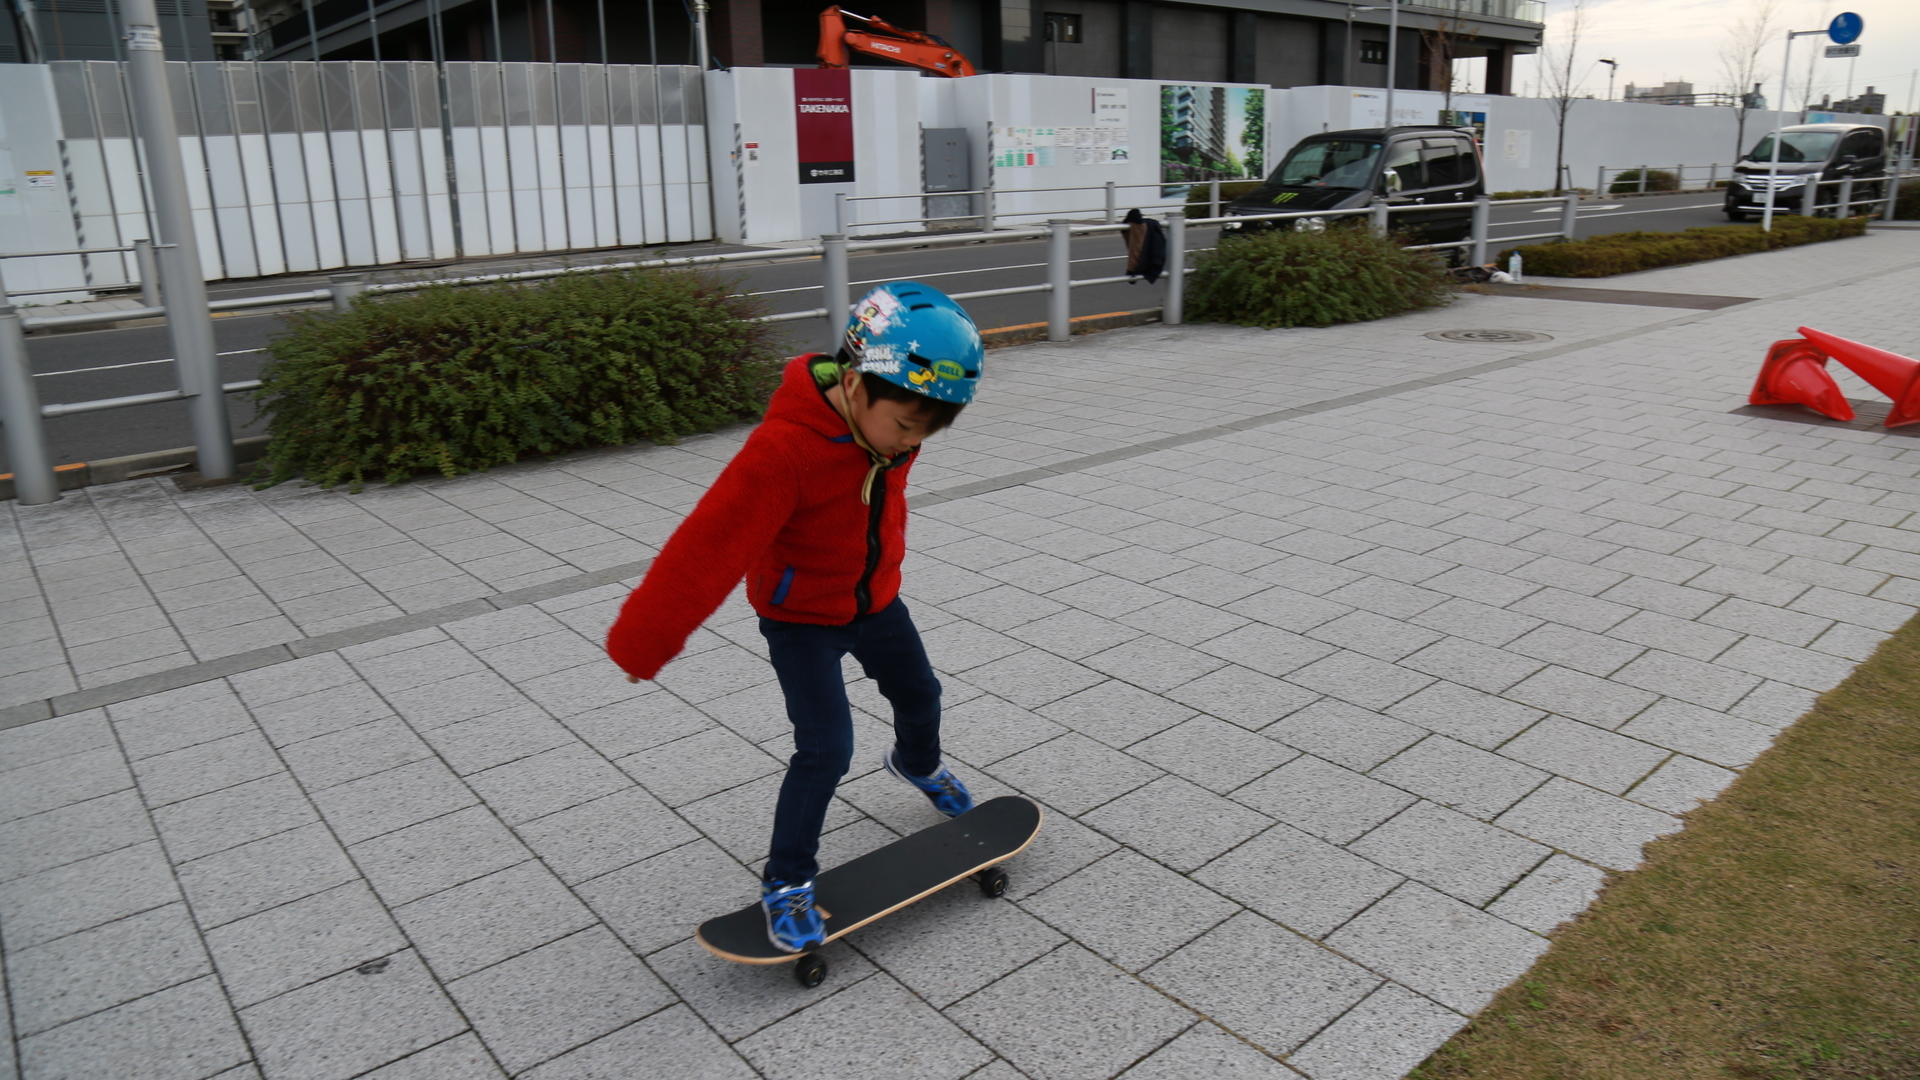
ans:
(883, 881)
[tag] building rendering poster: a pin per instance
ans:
(1211, 133)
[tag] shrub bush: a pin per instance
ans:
(1284, 278)
(1906, 205)
(1628, 182)
(1623, 253)
(1199, 196)
(456, 379)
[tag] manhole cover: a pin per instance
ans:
(1490, 337)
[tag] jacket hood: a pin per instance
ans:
(798, 400)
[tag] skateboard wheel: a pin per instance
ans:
(811, 971)
(994, 883)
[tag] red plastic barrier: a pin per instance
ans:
(1795, 373)
(1894, 375)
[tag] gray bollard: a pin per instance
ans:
(1381, 225)
(1569, 214)
(1174, 308)
(344, 288)
(1059, 279)
(836, 293)
(147, 264)
(1112, 207)
(1846, 197)
(34, 481)
(1482, 225)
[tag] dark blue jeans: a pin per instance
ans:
(807, 660)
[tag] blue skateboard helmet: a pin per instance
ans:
(915, 336)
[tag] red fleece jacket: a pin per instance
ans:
(786, 515)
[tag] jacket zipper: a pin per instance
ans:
(863, 590)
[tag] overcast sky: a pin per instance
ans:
(1660, 40)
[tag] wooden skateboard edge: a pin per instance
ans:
(877, 916)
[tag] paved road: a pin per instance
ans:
(113, 363)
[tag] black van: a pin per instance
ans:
(1341, 170)
(1807, 152)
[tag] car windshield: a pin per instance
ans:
(1796, 147)
(1334, 163)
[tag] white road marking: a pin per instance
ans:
(136, 363)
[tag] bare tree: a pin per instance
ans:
(1557, 78)
(1445, 41)
(1813, 60)
(1740, 60)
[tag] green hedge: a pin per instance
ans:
(1657, 180)
(1200, 196)
(1623, 253)
(1906, 205)
(453, 379)
(1284, 278)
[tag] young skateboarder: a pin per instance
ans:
(812, 513)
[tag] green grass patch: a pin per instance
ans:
(1628, 182)
(451, 380)
(1776, 938)
(1626, 252)
(1280, 277)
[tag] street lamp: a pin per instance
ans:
(1346, 61)
(1611, 68)
(1393, 51)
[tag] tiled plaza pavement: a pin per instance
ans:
(1345, 661)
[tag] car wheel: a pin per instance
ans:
(1736, 215)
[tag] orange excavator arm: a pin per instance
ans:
(881, 38)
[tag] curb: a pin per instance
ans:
(153, 463)
(1001, 336)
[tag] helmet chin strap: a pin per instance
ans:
(843, 403)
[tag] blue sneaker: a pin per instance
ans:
(943, 789)
(793, 923)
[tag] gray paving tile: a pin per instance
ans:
(1206, 1050)
(685, 770)
(1585, 753)
(1299, 881)
(593, 838)
(876, 1029)
(983, 730)
(1004, 607)
(1128, 909)
(1682, 784)
(1703, 733)
(479, 923)
(459, 1058)
(463, 697)
(79, 895)
(186, 1032)
(1216, 755)
(232, 816)
(1587, 824)
(740, 999)
(300, 942)
(82, 830)
(1262, 982)
(1387, 1034)
(1345, 734)
(1177, 823)
(1324, 799)
(179, 718)
(1469, 715)
(1073, 773)
(350, 1023)
(82, 973)
(921, 945)
(1153, 664)
(63, 781)
(250, 878)
(1360, 679)
(1552, 893)
(1463, 777)
(1267, 649)
(1445, 949)
(1033, 677)
(672, 1041)
(337, 708)
(1450, 852)
(699, 876)
(383, 802)
(549, 1000)
(1596, 701)
(1070, 1014)
(437, 854)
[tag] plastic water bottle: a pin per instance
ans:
(1513, 267)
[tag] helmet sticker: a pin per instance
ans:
(947, 369)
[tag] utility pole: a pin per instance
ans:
(1611, 69)
(1773, 167)
(183, 289)
(1393, 53)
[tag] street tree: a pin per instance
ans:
(1560, 80)
(1740, 55)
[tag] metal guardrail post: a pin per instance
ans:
(1892, 193)
(986, 208)
(34, 481)
(189, 322)
(1569, 214)
(1600, 182)
(836, 294)
(1713, 176)
(1173, 309)
(1059, 279)
(1846, 196)
(1213, 198)
(840, 212)
(1112, 209)
(147, 265)
(1643, 179)
(1482, 225)
(1380, 223)
(344, 288)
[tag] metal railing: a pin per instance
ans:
(1710, 177)
(990, 214)
(23, 414)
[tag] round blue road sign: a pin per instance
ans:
(1845, 28)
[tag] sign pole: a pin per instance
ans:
(1773, 168)
(183, 289)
